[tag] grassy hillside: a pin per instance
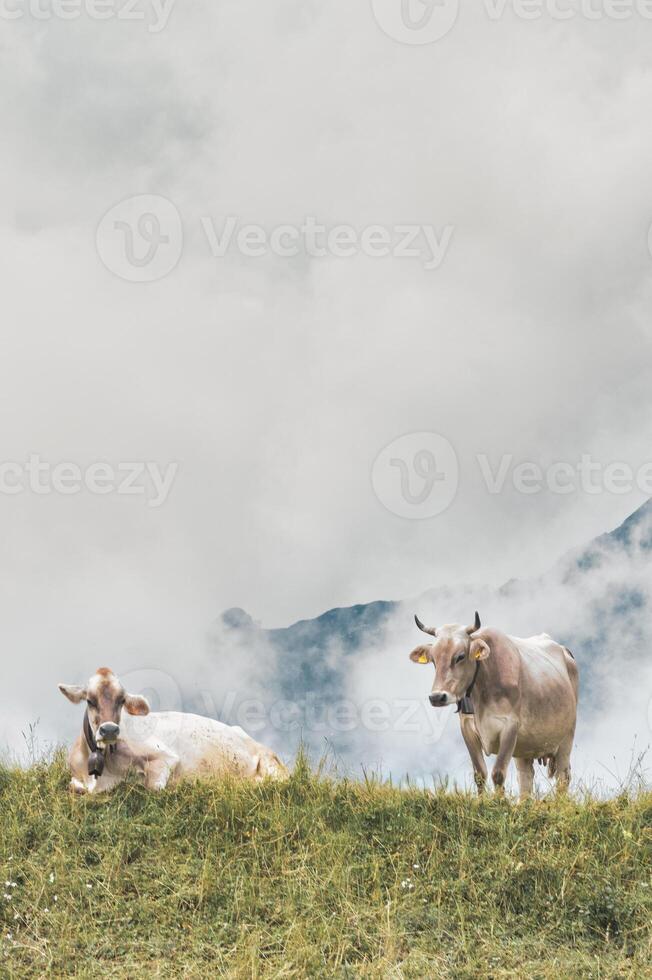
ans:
(318, 878)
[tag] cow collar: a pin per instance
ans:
(465, 704)
(96, 759)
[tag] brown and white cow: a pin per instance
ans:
(517, 698)
(120, 734)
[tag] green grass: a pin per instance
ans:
(319, 878)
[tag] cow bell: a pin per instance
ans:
(96, 764)
(465, 706)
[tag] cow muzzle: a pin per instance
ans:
(438, 699)
(108, 732)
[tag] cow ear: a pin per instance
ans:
(479, 650)
(136, 705)
(421, 655)
(73, 692)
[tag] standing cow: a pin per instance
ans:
(119, 735)
(516, 698)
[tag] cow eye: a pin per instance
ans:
(459, 658)
(91, 703)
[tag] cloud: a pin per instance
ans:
(275, 383)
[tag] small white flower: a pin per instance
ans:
(51, 877)
(46, 910)
(416, 867)
(89, 887)
(56, 898)
(16, 916)
(13, 884)
(6, 897)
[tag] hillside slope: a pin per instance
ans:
(317, 878)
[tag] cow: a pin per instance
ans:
(121, 735)
(516, 698)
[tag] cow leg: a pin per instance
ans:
(506, 748)
(159, 769)
(525, 769)
(562, 768)
(474, 745)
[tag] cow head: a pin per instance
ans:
(455, 653)
(105, 698)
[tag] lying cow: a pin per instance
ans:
(516, 698)
(162, 747)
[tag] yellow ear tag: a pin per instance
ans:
(423, 659)
(478, 654)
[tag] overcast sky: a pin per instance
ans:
(273, 382)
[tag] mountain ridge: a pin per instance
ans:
(622, 534)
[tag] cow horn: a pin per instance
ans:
(431, 630)
(473, 629)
